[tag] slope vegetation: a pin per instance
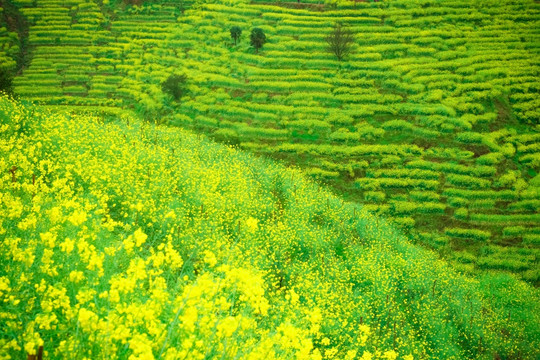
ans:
(127, 240)
(432, 121)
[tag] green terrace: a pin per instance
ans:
(432, 121)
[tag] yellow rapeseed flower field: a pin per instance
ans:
(124, 240)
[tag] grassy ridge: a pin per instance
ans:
(127, 240)
(430, 122)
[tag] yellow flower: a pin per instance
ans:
(316, 355)
(77, 218)
(96, 263)
(129, 244)
(330, 353)
(227, 327)
(367, 356)
(364, 334)
(189, 318)
(139, 207)
(76, 276)
(85, 295)
(55, 214)
(137, 269)
(252, 224)
(48, 238)
(87, 319)
(141, 347)
(32, 340)
(4, 284)
(315, 317)
(390, 355)
(140, 237)
(210, 258)
(31, 348)
(46, 321)
(293, 297)
(67, 246)
(27, 223)
(173, 257)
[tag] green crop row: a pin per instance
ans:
(467, 181)
(532, 219)
(410, 207)
(391, 183)
(470, 171)
(475, 234)
(404, 173)
(502, 195)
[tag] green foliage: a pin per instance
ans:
(340, 41)
(468, 181)
(410, 207)
(175, 86)
(461, 214)
(475, 234)
(257, 38)
(236, 32)
(430, 110)
(374, 196)
(6, 81)
(227, 136)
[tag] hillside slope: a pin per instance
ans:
(127, 240)
(432, 121)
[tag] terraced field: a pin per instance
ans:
(128, 240)
(433, 121)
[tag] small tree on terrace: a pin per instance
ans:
(6, 81)
(340, 41)
(175, 85)
(236, 32)
(257, 39)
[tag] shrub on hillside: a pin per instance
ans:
(6, 81)
(236, 32)
(258, 39)
(340, 41)
(175, 86)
